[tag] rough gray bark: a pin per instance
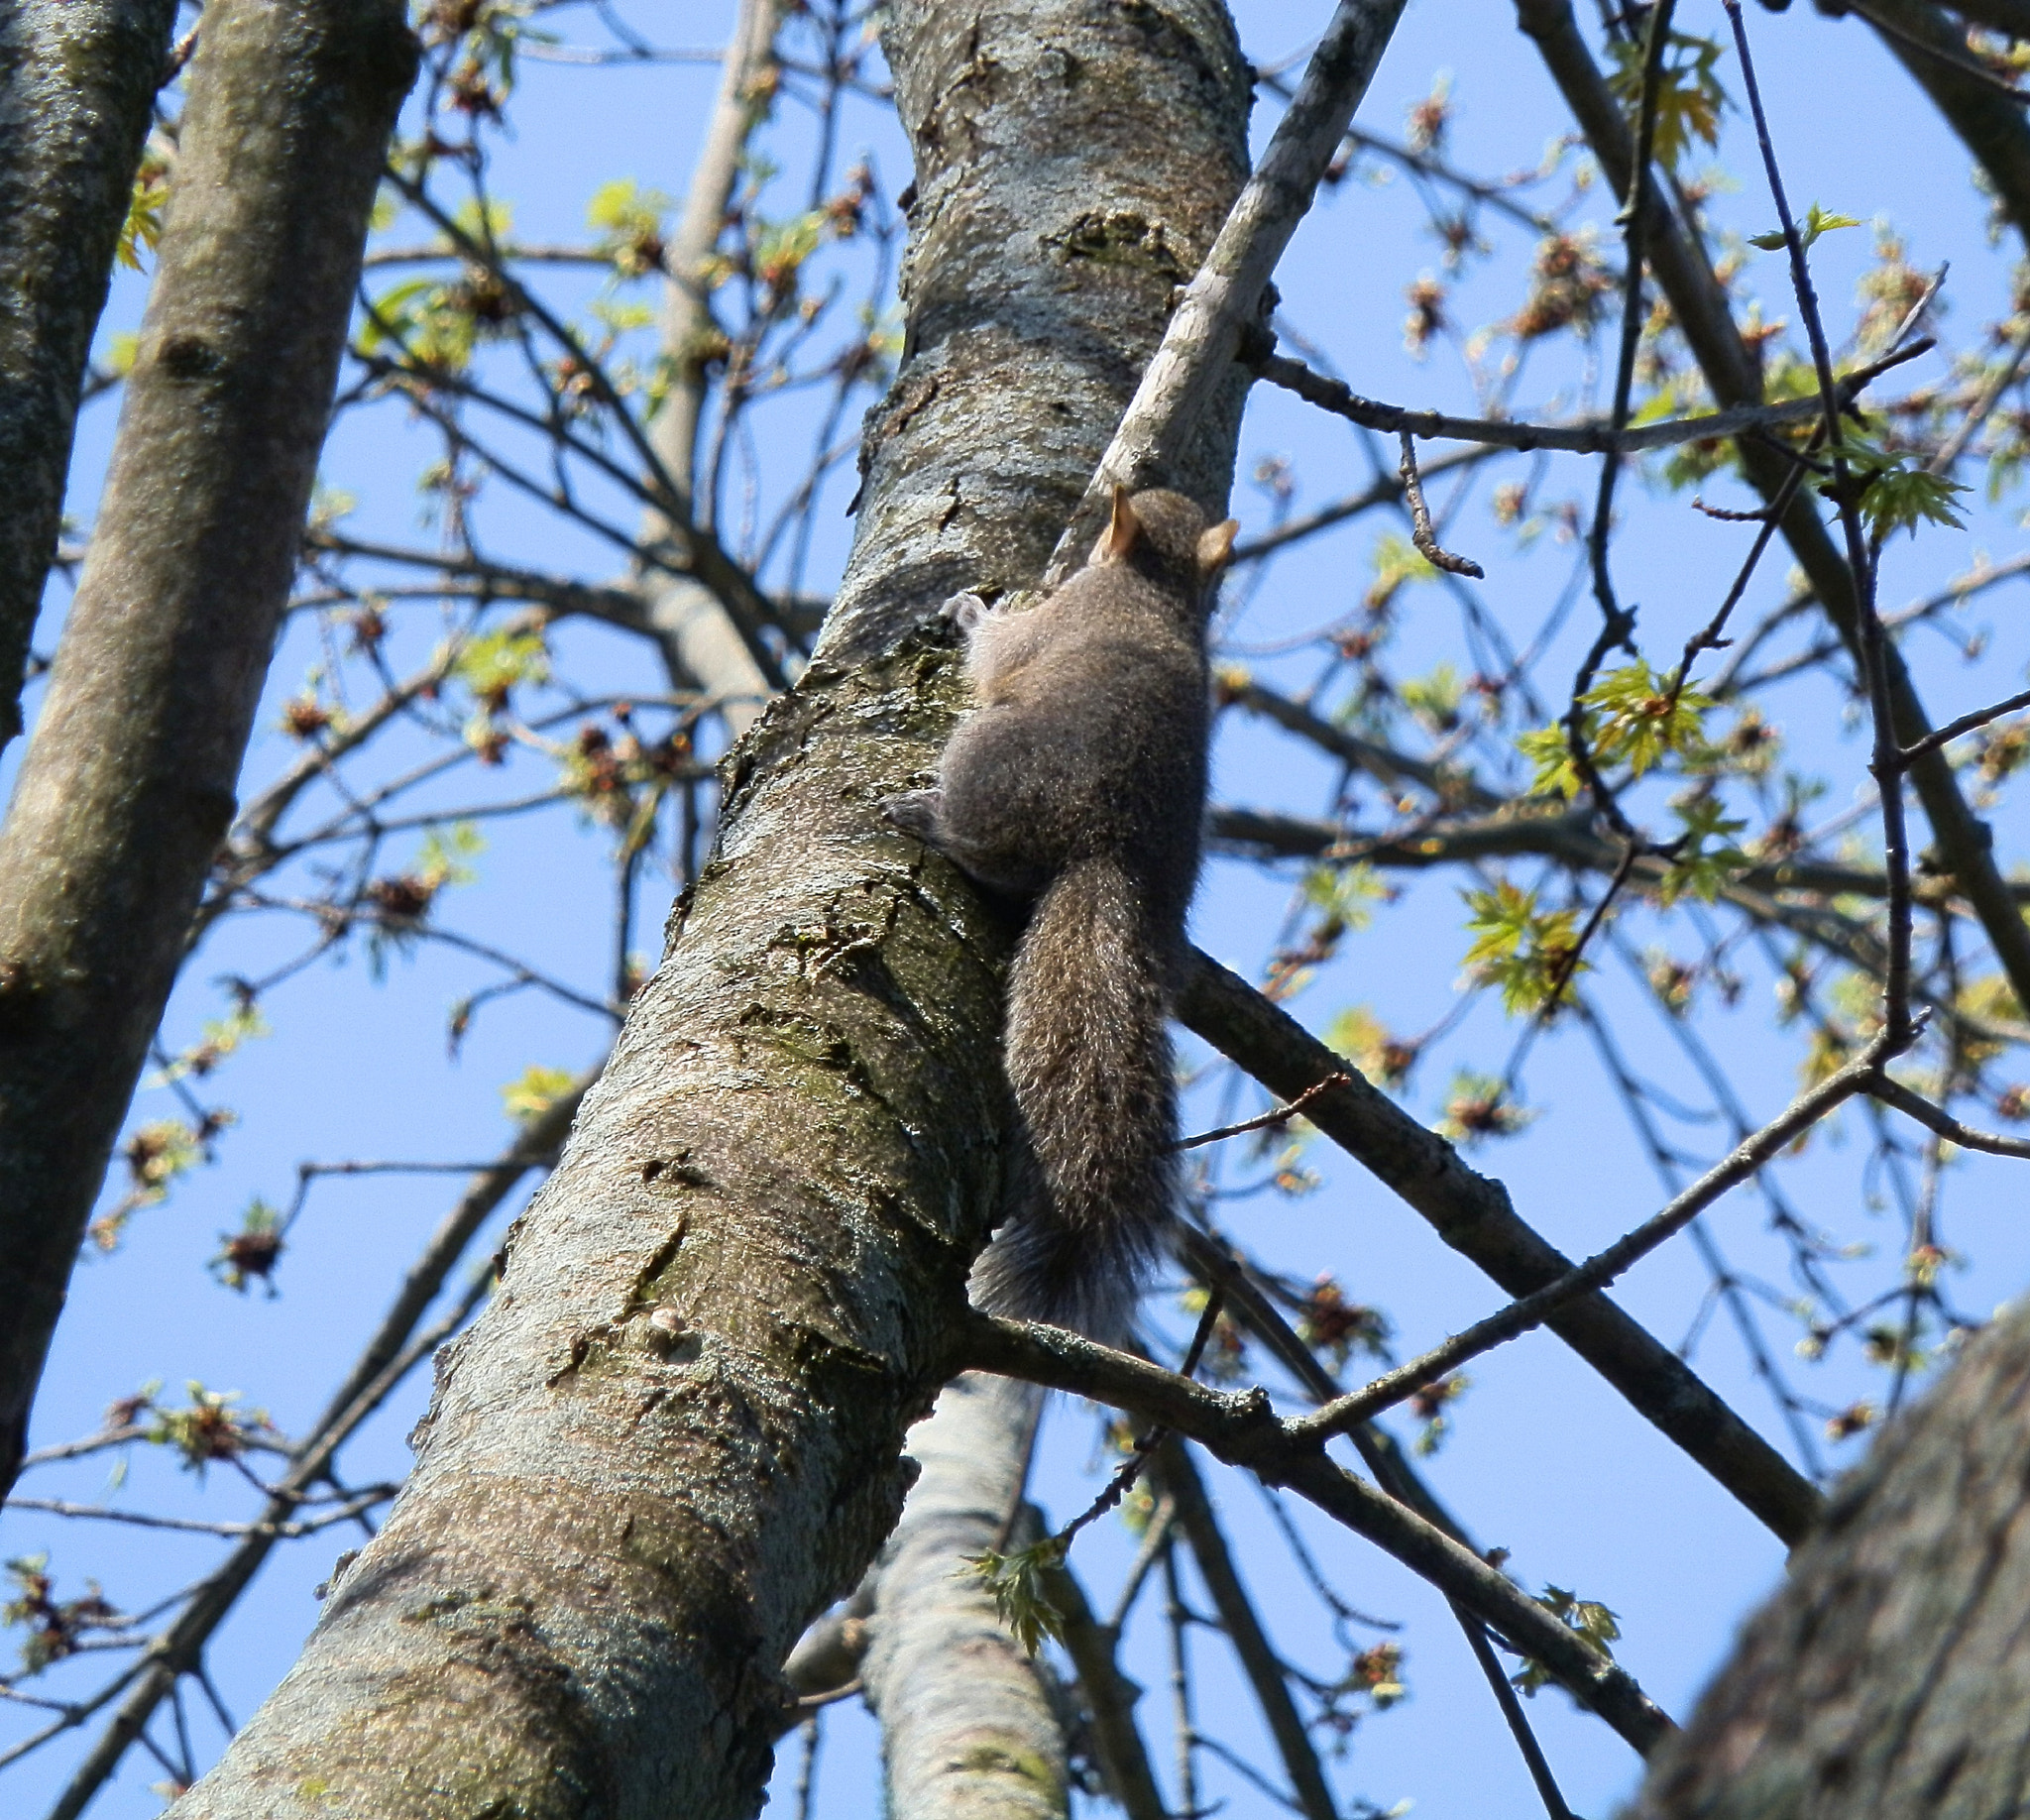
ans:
(395, 1346)
(128, 782)
(676, 1434)
(968, 1730)
(1890, 1675)
(77, 80)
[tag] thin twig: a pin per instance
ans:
(1420, 532)
(1533, 1758)
(1241, 1428)
(1862, 1074)
(1966, 724)
(1983, 406)
(1224, 298)
(1281, 1115)
(1593, 437)
(1886, 763)
(1964, 66)
(1567, 963)
(1895, 1093)
(1130, 1469)
(393, 1351)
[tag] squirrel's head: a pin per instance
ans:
(1166, 536)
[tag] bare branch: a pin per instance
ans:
(1241, 1428)
(1472, 1214)
(1862, 1074)
(1225, 297)
(1966, 724)
(1259, 1660)
(1421, 533)
(1263, 1121)
(383, 1362)
(1895, 1093)
(1594, 436)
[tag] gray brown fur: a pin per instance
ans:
(1078, 782)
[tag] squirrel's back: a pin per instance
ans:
(1080, 780)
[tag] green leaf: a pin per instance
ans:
(143, 227)
(1479, 1106)
(535, 1091)
(1549, 750)
(442, 858)
(1630, 718)
(630, 223)
(1346, 894)
(1434, 699)
(1517, 947)
(1709, 858)
(1817, 221)
(1017, 1584)
(1689, 95)
(780, 248)
(495, 662)
(1896, 492)
(1396, 561)
(1592, 1620)
(1637, 722)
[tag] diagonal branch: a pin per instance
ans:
(1241, 1428)
(1862, 1074)
(700, 641)
(1472, 1214)
(1223, 301)
(1259, 1660)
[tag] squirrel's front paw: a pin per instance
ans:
(965, 610)
(915, 812)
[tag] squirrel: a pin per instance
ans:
(1078, 784)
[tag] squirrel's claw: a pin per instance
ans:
(915, 812)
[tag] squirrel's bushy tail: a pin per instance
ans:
(1087, 1053)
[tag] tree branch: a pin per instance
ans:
(79, 83)
(1225, 297)
(1472, 1214)
(1593, 437)
(1862, 1074)
(1264, 1669)
(1701, 311)
(1241, 1428)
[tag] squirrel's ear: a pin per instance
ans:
(1215, 546)
(1121, 531)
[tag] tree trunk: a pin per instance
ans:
(128, 783)
(968, 1730)
(1890, 1675)
(77, 81)
(676, 1434)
